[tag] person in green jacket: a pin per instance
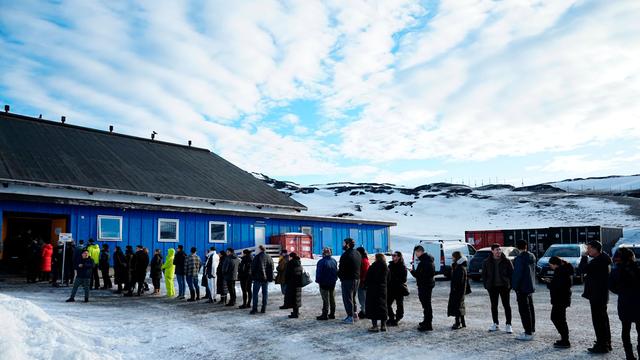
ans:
(169, 272)
(94, 254)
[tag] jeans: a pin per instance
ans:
(559, 320)
(349, 290)
(399, 300)
(181, 284)
(600, 320)
(245, 285)
(362, 299)
(257, 285)
(495, 294)
(328, 301)
(192, 281)
(85, 282)
(527, 312)
(424, 294)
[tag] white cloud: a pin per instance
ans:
(410, 177)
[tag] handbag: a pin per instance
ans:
(306, 278)
(204, 282)
(405, 290)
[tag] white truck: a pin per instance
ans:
(441, 251)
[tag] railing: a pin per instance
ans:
(272, 250)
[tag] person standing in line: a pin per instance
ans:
(293, 278)
(523, 282)
(244, 276)
(46, 256)
(139, 264)
(326, 277)
(155, 271)
(220, 283)
(230, 270)
(209, 274)
(349, 275)
(560, 292)
(625, 281)
(179, 263)
(94, 254)
(119, 269)
(497, 271)
(376, 299)
(169, 272)
(129, 259)
(362, 291)
(424, 274)
(191, 271)
(456, 306)
(262, 275)
(56, 264)
(68, 273)
(84, 268)
(397, 288)
(281, 271)
(596, 290)
(104, 267)
(33, 261)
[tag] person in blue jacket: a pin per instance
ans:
(523, 283)
(326, 277)
(84, 269)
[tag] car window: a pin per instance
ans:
(514, 253)
(472, 250)
(563, 252)
(481, 254)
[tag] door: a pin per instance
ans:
(260, 235)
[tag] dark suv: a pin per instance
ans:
(475, 264)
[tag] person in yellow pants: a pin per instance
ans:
(169, 273)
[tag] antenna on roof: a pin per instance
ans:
(7, 108)
(63, 119)
(111, 128)
(189, 142)
(153, 135)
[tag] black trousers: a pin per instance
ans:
(500, 293)
(105, 278)
(600, 320)
(399, 300)
(626, 335)
(245, 285)
(95, 278)
(559, 320)
(527, 312)
(231, 286)
(424, 294)
(156, 283)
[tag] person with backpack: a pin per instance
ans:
(523, 283)
(497, 271)
(103, 263)
(261, 275)
(596, 290)
(326, 277)
(424, 274)
(244, 276)
(179, 261)
(560, 292)
(376, 299)
(349, 275)
(169, 272)
(396, 288)
(293, 278)
(625, 282)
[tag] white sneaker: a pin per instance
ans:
(494, 327)
(524, 337)
(508, 329)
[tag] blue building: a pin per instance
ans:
(125, 190)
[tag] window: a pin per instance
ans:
(217, 232)
(168, 230)
(307, 230)
(109, 228)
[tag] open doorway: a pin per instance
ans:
(20, 233)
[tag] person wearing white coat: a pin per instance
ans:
(209, 275)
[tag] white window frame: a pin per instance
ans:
(109, 217)
(225, 232)
(303, 228)
(177, 222)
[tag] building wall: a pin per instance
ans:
(141, 227)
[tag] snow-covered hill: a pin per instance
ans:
(442, 209)
(607, 184)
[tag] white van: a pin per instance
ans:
(441, 251)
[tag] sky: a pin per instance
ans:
(403, 92)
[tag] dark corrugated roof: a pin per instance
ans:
(56, 154)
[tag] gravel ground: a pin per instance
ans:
(156, 327)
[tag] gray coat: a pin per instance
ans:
(230, 267)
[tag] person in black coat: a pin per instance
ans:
(56, 264)
(221, 285)
(261, 276)
(625, 281)
(497, 271)
(103, 263)
(424, 273)
(397, 288)
(230, 271)
(155, 271)
(293, 277)
(596, 290)
(349, 275)
(376, 299)
(33, 261)
(128, 261)
(244, 276)
(68, 264)
(456, 307)
(139, 264)
(560, 292)
(119, 269)
(179, 261)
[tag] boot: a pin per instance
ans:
(456, 325)
(86, 299)
(70, 299)
(323, 316)
(462, 323)
(332, 315)
(263, 309)
(193, 296)
(383, 325)
(294, 314)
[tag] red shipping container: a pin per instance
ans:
(301, 244)
(484, 238)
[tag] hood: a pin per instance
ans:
(213, 252)
(171, 252)
(462, 260)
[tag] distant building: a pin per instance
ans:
(125, 190)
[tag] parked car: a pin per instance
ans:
(441, 251)
(634, 247)
(475, 265)
(571, 253)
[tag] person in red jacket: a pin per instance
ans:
(362, 290)
(45, 265)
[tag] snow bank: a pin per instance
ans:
(28, 332)
(607, 184)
